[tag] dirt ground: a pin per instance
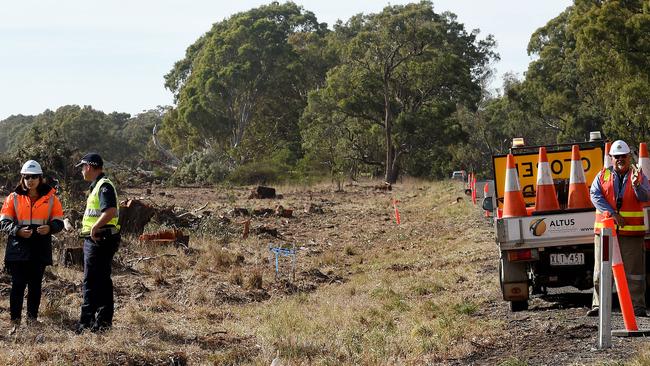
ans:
(339, 237)
(554, 331)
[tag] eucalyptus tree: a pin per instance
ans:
(613, 43)
(250, 70)
(403, 72)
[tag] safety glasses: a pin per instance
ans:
(31, 176)
(617, 157)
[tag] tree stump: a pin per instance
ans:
(72, 257)
(262, 192)
(134, 216)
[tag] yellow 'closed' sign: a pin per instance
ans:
(559, 162)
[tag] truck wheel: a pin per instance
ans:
(518, 305)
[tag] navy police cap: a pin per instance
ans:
(91, 159)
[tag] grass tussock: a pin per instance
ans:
(367, 292)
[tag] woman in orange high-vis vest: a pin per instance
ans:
(30, 215)
(621, 190)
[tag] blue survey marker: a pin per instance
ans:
(283, 252)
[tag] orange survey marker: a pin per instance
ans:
(624, 299)
(397, 218)
(578, 190)
(545, 198)
(473, 188)
(513, 199)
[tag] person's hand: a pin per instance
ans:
(43, 229)
(620, 221)
(636, 180)
(25, 232)
(94, 233)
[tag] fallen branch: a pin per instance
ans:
(192, 212)
(140, 259)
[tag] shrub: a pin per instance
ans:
(257, 173)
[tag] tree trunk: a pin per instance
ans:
(393, 173)
(390, 175)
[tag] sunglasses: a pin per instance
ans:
(624, 156)
(31, 176)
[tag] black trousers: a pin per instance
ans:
(98, 306)
(25, 274)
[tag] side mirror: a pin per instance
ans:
(487, 204)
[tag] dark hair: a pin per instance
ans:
(21, 185)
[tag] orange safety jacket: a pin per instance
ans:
(631, 209)
(19, 211)
(19, 208)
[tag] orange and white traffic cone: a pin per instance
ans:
(607, 161)
(644, 159)
(624, 299)
(545, 197)
(513, 200)
(644, 163)
(578, 190)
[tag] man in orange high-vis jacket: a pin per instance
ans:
(621, 191)
(29, 215)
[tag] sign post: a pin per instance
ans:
(605, 291)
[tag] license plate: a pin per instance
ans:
(567, 259)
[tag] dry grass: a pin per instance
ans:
(391, 295)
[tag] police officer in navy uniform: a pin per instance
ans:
(101, 234)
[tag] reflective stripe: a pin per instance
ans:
(631, 213)
(577, 173)
(15, 205)
(633, 228)
(32, 222)
(49, 208)
(92, 213)
(600, 225)
(544, 174)
(512, 181)
(6, 217)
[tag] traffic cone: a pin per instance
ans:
(644, 159)
(624, 299)
(513, 199)
(545, 197)
(578, 190)
(607, 160)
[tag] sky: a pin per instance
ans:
(113, 55)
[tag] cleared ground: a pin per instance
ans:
(366, 290)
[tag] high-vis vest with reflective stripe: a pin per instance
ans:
(93, 210)
(20, 209)
(631, 209)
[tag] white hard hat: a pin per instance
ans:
(619, 147)
(31, 167)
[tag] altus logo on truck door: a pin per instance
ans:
(538, 226)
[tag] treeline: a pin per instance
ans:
(272, 94)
